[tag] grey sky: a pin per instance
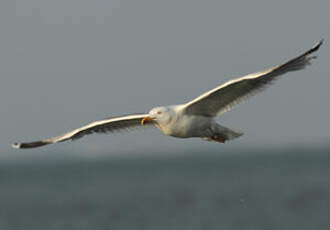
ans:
(66, 63)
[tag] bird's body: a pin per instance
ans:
(183, 125)
(197, 117)
(186, 126)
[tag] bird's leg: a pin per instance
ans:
(218, 138)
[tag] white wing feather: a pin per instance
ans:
(103, 126)
(226, 96)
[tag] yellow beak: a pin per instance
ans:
(146, 120)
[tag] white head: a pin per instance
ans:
(160, 115)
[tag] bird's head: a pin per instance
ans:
(159, 115)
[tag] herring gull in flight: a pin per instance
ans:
(195, 118)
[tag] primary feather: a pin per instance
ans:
(221, 99)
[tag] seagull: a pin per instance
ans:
(195, 118)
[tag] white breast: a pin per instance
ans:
(185, 126)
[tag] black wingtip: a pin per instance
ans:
(30, 145)
(317, 46)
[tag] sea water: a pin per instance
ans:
(264, 190)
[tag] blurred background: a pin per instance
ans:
(64, 64)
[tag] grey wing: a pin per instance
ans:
(226, 96)
(103, 126)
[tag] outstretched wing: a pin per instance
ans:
(226, 96)
(103, 126)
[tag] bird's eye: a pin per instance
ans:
(159, 112)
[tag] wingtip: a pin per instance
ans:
(29, 145)
(314, 48)
(318, 45)
(16, 146)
